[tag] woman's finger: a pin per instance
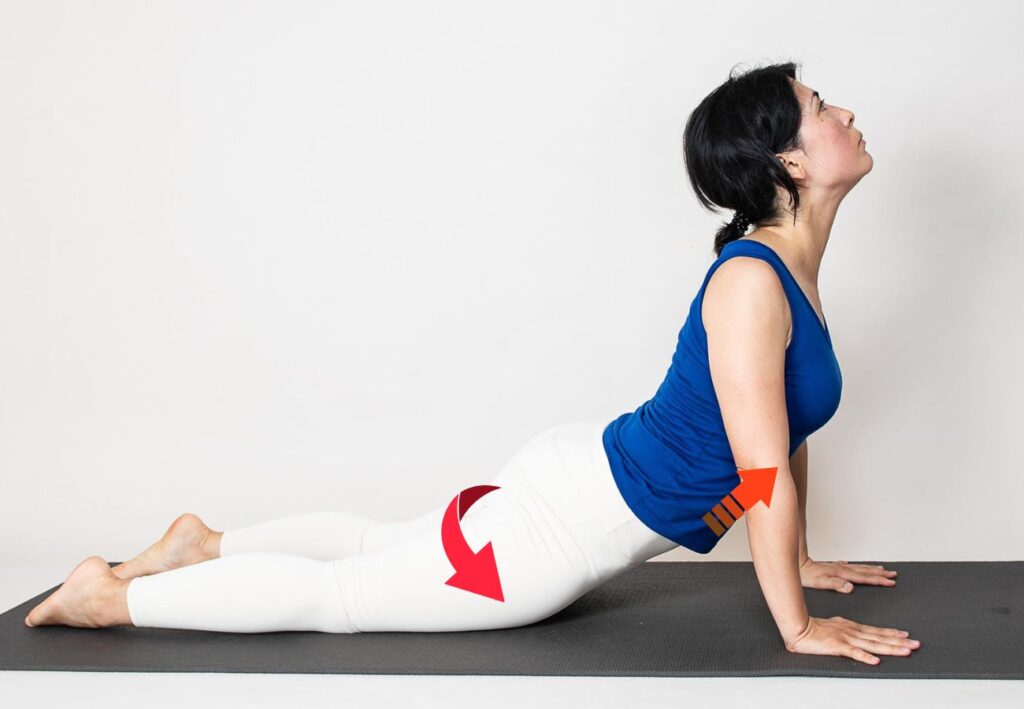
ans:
(857, 654)
(849, 574)
(878, 646)
(864, 568)
(871, 569)
(836, 583)
(876, 630)
(898, 641)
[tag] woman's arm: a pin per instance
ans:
(747, 319)
(798, 467)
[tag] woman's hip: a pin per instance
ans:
(565, 473)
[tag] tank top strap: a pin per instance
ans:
(747, 247)
(794, 293)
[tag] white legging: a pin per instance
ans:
(558, 527)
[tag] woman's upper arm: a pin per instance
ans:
(747, 319)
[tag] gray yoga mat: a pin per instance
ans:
(660, 619)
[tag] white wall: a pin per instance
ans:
(260, 258)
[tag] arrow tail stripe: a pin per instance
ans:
(733, 506)
(720, 512)
(710, 520)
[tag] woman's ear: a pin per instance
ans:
(792, 162)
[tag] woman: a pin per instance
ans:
(752, 376)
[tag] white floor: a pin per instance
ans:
(20, 580)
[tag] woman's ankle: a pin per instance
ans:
(211, 546)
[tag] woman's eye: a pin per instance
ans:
(821, 106)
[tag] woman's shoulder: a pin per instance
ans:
(744, 288)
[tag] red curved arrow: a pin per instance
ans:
(476, 572)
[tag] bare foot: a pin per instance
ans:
(187, 541)
(91, 597)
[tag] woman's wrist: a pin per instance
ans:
(794, 636)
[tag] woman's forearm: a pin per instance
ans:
(798, 467)
(774, 534)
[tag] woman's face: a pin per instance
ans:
(833, 154)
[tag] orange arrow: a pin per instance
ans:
(756, 484)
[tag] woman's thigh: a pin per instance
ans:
(549, 549)
(404, 586)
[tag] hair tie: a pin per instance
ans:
(740, 221)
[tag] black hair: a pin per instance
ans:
(730, 142)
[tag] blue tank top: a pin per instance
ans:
(670, 457)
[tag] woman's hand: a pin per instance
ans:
(839, 636)
(840, 576)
